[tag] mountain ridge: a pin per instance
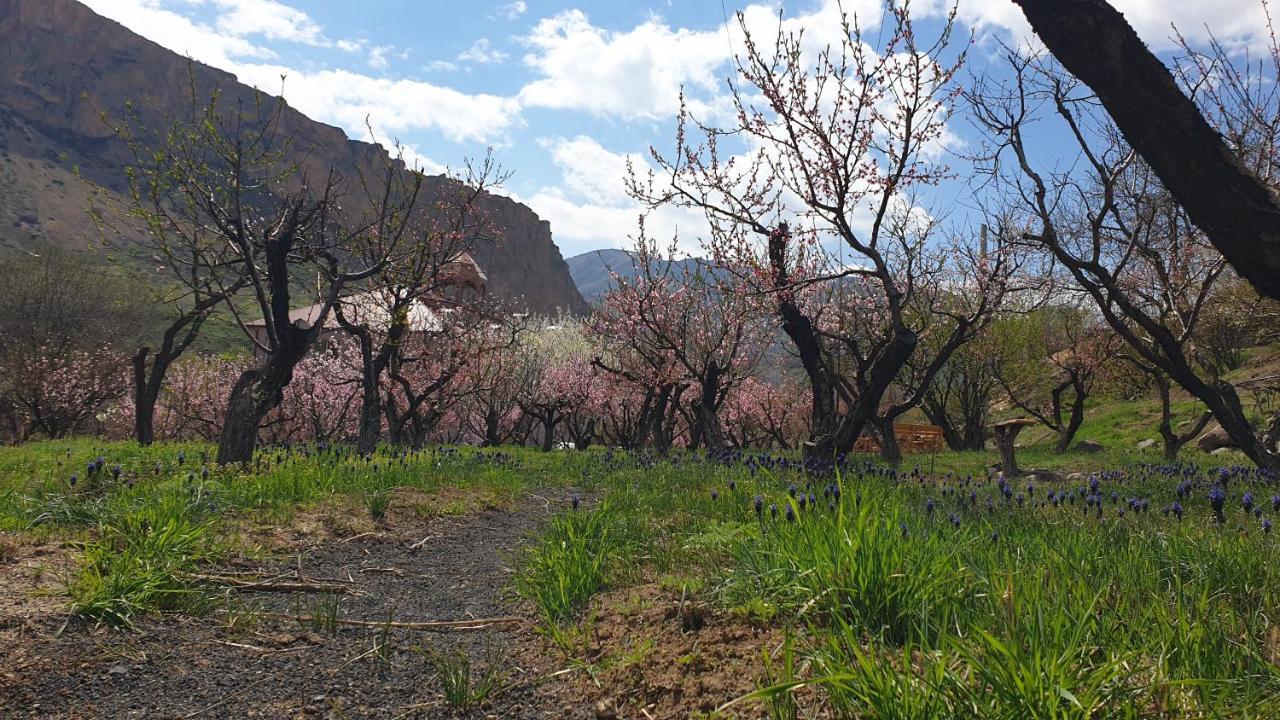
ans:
(52, 132)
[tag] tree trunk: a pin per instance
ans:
(256, 393)
(1238, 212)
(144, 401)
(370, 416)
(890, 450)
(1005, 436)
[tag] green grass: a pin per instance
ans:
(982, 607)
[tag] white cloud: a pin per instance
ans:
(512, 10)
(481, 53)
(378, 57)
(589, 208)
(639, 72)
(179, 33)
(1235, 22)
(270, 19)
(393, 106)
(340, 97)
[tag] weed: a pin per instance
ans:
(378, 502)
(463, 688)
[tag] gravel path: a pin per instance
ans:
(266, 667)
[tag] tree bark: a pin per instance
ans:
(1237, 211)
(257, 392)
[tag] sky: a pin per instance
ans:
(564, 92)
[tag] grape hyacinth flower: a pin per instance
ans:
(759, 503)
(1218, 498)
(1247, 501)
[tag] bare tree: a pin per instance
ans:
(160, 223)
(239, 176)
(434, 272)
(1109, 223)
(1224, 193)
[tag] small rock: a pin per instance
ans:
(1221, 450)
(1089, 446)
(119, 670)
(1215, 439)
(1075, 477)
(606, 710)
(1146, 444)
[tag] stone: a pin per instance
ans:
(1215, 439)
(1044, 475)
(606, 710)
(1075, 477)
(1089, 446)
(1221, 450)
(1146, 444)
(119, 670)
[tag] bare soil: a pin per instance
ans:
(647, 652)
(238, 663)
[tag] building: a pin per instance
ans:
(459, 279)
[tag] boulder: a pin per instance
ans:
(1089, 446)
(1221, 450)
(1043, 475)
(1075, 477)
(1214, 439)
(1146, 444)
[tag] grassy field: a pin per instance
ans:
(1146, 590)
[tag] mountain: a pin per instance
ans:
(62, 66)
(593, 271)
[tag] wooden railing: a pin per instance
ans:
(912, 438)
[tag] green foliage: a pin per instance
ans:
(463, 688)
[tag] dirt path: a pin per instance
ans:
(272, 668)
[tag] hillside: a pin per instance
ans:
(592, 271)
(62, 65)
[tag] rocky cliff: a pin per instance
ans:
(62, 66)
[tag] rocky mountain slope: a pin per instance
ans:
(62, 66)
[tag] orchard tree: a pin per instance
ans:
(1047, 364)
(428, 374)
(684, 322)
(161, 222)
(1110, 224)
(428, 276)
(1210, 139)
(238, 175)
(818, 211)
(767, 414)
(960, 397)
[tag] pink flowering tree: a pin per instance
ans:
(428, 377)
(817, 210)
(559, 387)
(56, 394)
(424, 277)
(685, 323)
(767, 414)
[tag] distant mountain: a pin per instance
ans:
(61, 65)
(593, 271)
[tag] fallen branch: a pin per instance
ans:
(433, 625)
(274, 585)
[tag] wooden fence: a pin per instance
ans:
(912, 438)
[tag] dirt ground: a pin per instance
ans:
(647, 654)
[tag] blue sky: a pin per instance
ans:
(564, 91)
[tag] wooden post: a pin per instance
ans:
(1006, 432)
